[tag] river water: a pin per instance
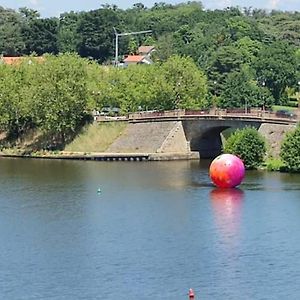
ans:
(152, 231)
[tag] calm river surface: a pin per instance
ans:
(154, 231)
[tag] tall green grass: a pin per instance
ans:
(96, 137)
(282, 107)
(274, 164)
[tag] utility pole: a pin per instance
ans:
(298, 96)
(124, 34)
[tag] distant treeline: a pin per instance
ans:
(249, 56)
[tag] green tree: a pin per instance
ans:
(290, 150)
(188, 84)
(130, 89)
(133, 46)
(238, 91)
(177, 83)
(276, 65)
(225, 60)
(11, 40)
(60, 100)
(68, 37)
(249, 145)
(16, 106)
(240, 27)
(241, 90)
(249, 49)
(29, 14)
(41, 36)
(164, 48)
(96, 33)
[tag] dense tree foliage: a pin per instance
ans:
(41, 36)
(56, 94)
(249, 145)
(15, 99)
(177, 83)
(222, 43)
(68, 36)
(242, 90)
(235, 58)
(60, 98)
(290, 150)
(50, 95)
(276, 65)
(96, 33)
(11, 39)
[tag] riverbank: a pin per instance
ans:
(110, 141)
(104, 156)
(123, 141)
(91, 138)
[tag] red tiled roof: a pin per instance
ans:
(11, 60)
(145, 49)
(134, 58)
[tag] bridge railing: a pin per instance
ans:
(156, 113)
(256, 113)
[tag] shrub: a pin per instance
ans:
(249, 145)
(274, 164)
(290, 150)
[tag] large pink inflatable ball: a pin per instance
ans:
(227, 171)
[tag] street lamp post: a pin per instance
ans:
(263, 83)
(298, 96)
(124, 34)
(214, 99)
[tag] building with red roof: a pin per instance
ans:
(15, 60)
(146, 50)
(137, 59)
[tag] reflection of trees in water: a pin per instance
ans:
(227, 208)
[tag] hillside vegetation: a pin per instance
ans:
(230, 58)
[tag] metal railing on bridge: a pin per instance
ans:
(236, 113)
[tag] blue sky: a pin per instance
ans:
(49, 8)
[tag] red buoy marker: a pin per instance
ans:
(191, 294)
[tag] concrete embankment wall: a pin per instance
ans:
(153, 137)
(274, 134)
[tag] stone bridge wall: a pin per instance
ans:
(187, 136)
(274, 134)
(152, 137)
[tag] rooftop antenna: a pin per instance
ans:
(125, 34)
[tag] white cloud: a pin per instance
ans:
(37, 5)
(34, 2)
(273, 4)
(225, 3)
(219, 4)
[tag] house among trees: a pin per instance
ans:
(137, 59)
(15, 60)
(143, 56)
(146, 50)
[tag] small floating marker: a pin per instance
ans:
(98, 191)
(191, 294)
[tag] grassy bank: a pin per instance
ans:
(96, 137)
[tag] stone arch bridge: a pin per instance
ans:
(196, 132)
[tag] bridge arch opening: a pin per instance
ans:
(209, 144)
